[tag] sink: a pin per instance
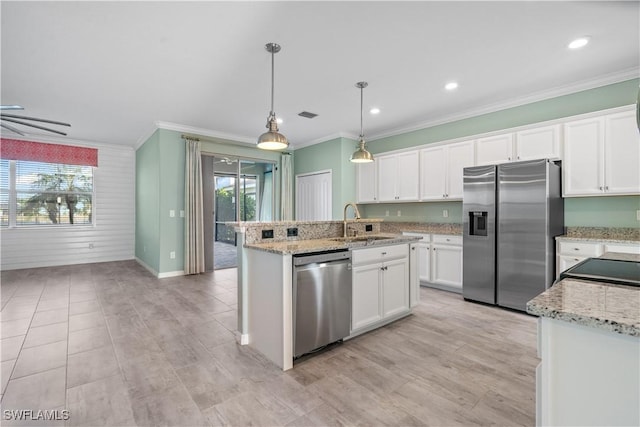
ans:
(360, 238)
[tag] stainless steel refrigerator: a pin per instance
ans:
(511, 214)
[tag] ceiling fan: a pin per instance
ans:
(25, 121)
(226, 160)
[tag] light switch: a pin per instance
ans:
(445, 213)
(172, 213)
(181, 213)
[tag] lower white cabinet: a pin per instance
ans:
(569, 252)
(380, 285)
(446, 265)
(440, 260)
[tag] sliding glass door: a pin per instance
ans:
(242, 191)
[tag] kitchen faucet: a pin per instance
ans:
(344, 218)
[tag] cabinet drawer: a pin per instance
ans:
(426, 238)
(622, 248)
(447, 239)
(582, 249)
(379, 254)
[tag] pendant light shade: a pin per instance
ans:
(272, 139)
(361, 155)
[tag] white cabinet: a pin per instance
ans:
(538, 143)
(440, 260)
(366, 182)
(625, 248)
(398, 177)
(365, 296)
(414, 279)
(571, 252)
(441, 170)
(528, 144)
(602, 156)
(494, 149)
(446, 261)
(380, 286)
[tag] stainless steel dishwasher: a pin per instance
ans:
(321, 299)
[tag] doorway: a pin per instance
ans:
(236, 189)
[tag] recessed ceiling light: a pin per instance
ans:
(578, 43)
(374, 110)
(451, 86)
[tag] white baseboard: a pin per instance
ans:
(170, 274)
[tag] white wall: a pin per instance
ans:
(113, 231)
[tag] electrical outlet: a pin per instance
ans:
(386, 213)
(292, 232)
(181, 214)
(399, 212)
(172, 213)
(267, 234)
(445, 213)
(172, 255)
(368, 227)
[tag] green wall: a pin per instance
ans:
(331, 155)
(147, 246)
(589, 211)
(160, 188)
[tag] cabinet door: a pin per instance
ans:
(414, 279)
(395, 287)
(424, 253)
(582, 168)
(408, 176)
(366, 185)
(387, 172)
(538, 143)
(433, 173)
(459, 157)
(494, 149)
(366, 295)
(446, 265)
(633, 248)
(622, 154)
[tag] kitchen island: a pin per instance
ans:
(266, 271)
(589, 343)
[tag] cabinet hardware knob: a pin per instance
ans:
(606, 187)
(601, 188)
(518, 157)
(576, 259)
(448, 240)
(508, 158)
(413, 249)
(384, 253)
(576, 249)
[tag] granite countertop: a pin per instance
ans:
(296, 247)
(614, 308)
(602, 234)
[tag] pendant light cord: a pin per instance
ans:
(361, 109)
(272, 80)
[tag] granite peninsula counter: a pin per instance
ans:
(589, 345)
(266, 271)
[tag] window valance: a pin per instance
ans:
(16, 149)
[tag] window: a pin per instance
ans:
(37, 193)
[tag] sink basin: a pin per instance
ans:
(360, 238)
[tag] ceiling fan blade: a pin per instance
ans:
(11, 107)
(32, 125)
(53, 122)
(11, 128)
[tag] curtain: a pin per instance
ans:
(286, 193)
(266, 208)
(193, 212)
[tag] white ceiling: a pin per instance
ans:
(114, 69)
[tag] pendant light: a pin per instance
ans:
(272, 139)
(361, 155)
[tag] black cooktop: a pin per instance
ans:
(605, 270)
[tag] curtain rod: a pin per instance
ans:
(196, 138)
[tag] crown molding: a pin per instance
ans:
(196, 131)
(604, 80)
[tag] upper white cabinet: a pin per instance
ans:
(398, 177)
(366, 183)
(494, 149)
(538, 143)
(602, 156)
(441, 170)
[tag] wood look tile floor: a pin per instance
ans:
(115, 346)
